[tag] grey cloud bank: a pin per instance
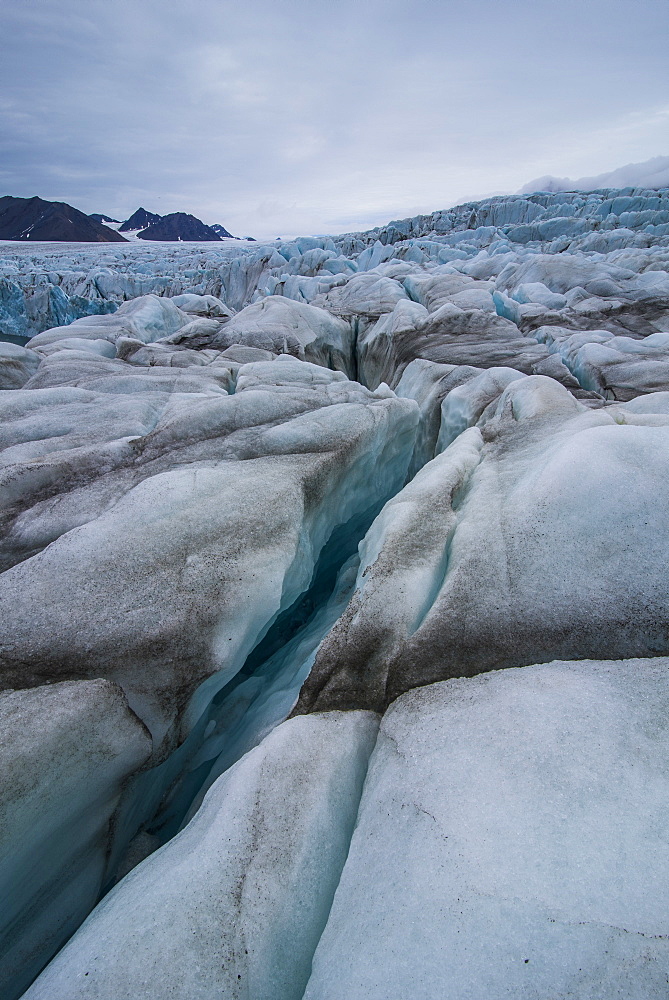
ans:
(300, 117)
(654, 173)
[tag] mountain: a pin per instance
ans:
(139, 220)
(179, 227)
(99, 217)
(36, 219)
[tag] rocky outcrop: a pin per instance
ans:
(179, 227)
(139, 220)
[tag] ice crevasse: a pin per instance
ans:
(335, 625)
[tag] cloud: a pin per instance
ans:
(335, 113)
(653, 173)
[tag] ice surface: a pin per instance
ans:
(602, 220)
(449, 335)
(155, 529)
(17, 365)
(430, 384)
(176, 519)
(66, 750)
(512, 841)
(202, 305)
(363, 295)
(616, 367)
(235, 904)
(517, 544)
(147, 318)
(283, 326)
(195, 454)
(466, 403)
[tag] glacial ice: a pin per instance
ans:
(17, 364)
(515, 545)
(175, 522)
(141, 514)
(511, 841)
(615, 367)
(283, 326)
(147, 318)
(241, 482)
(234, 905)
(66, 750)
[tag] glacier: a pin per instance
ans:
(335, 633)
(511, 841)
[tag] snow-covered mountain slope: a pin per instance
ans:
(179, 227)
(139, 220)
(410, 480)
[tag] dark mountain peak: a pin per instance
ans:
(179, 227)
(139, 220)
(35, 219)
(221, 231)
(99, 217)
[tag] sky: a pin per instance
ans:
(284, 117)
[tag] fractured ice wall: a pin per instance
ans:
(46, 285)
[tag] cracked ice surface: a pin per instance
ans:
(514, 545)
(66, 750)
(157, 526)
(240, 481)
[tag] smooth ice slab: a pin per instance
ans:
(512, 842)
(65, 752)
(235, 904)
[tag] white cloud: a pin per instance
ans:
(653, 173)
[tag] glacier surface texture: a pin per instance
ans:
(334, 650)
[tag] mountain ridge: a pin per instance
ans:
(177, 227)
(37, 219)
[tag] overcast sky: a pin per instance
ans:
(312, 116)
